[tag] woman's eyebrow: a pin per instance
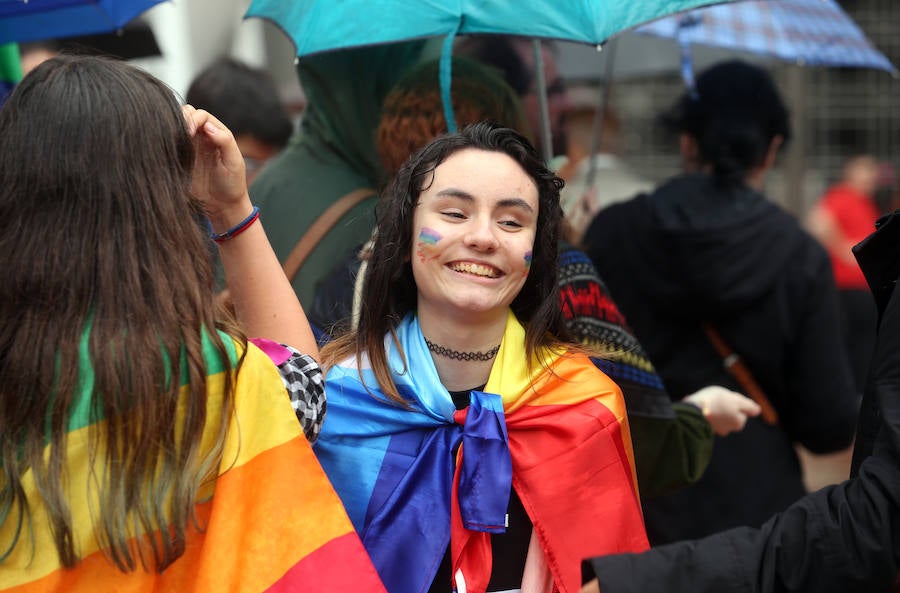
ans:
(515, 203)
(452, 192)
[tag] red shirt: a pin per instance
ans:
(855, 214)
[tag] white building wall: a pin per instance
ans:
(193, 33)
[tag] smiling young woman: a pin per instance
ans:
(488, 430)
(475, 226)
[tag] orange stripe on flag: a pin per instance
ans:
(261, 523)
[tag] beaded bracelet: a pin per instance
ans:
(236, 229)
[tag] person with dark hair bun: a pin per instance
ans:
(465, 430)
(707, 258)
(733, 127)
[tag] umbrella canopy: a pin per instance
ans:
(317, 26)
(324, 25)
(806, 32)
(31, 20)
(637, 57)
(135, 40)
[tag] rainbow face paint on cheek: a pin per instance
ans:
(427, 244)
(527, 262)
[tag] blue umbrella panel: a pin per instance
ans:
(33, 20)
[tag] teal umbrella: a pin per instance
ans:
(325, 25)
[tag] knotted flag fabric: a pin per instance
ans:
(557, 433)
(273, 523)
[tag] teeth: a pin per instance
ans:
(476, 269)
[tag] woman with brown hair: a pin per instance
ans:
(146, 443)
(466, 434)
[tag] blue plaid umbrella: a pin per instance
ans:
(805, 32)
(30, 20)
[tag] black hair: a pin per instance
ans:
(733, 115)
(245, 99)
(499, 51)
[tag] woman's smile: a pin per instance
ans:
(475, 269)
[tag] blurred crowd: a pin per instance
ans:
(376, 350)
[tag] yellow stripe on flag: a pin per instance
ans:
(263, 421)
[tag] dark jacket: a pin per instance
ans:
(839, 539)
(690, 253)
(672, 441)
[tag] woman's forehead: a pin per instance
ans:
(482, 174)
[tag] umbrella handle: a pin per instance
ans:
(446, 78)
(546, 136)
(602, 105)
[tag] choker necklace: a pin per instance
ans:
(466, 356)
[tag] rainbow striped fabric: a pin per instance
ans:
(558, 435)
(273, 524)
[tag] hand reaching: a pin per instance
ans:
(219, 179)
(726, 410)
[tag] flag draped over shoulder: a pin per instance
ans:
(274, 522)
(559, 434)
(10, 69)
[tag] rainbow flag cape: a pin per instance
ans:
(10, 69)
(558, 435)
(274, 522)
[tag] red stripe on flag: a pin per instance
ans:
(341, 565)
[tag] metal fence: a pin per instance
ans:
(837, 113)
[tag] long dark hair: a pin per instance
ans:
(390, 290)
(733, 115)
(105, 274)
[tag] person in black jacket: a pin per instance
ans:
(707, 247)
(842, 538)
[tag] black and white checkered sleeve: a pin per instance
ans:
(306, 387)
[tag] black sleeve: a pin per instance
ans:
(841, 538)
(821, 412)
